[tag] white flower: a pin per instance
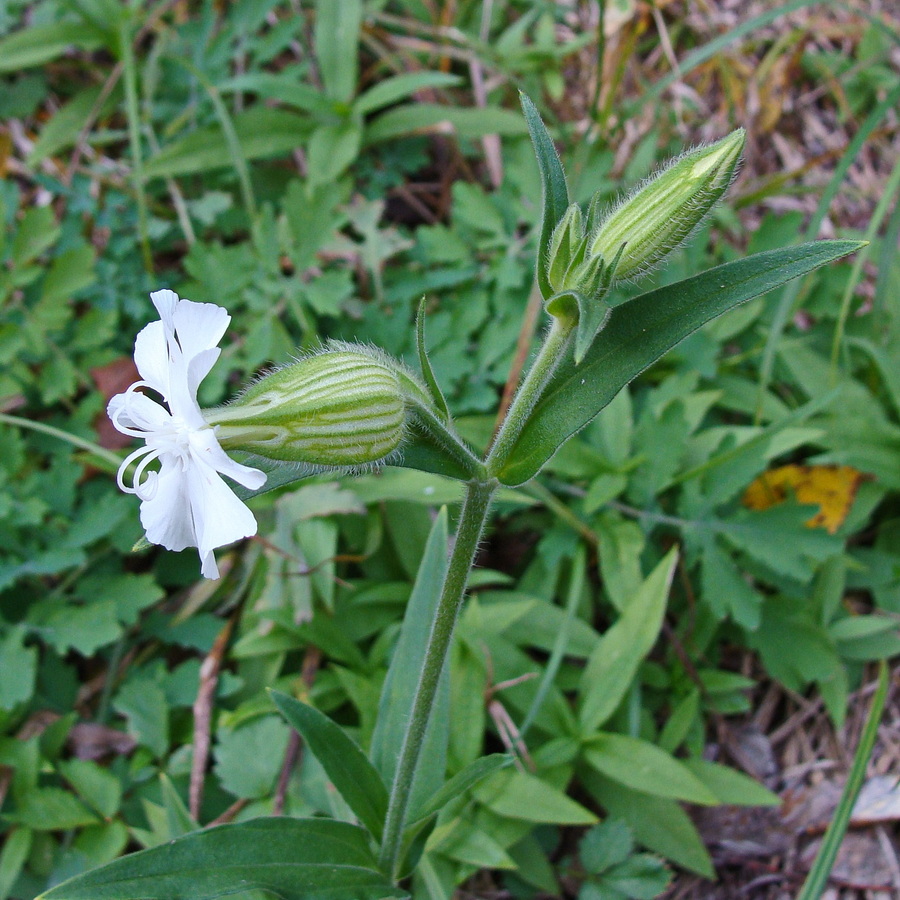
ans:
(185, 503)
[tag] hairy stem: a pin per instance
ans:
(529, 393)
(472, 520)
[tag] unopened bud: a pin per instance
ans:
(567, 248)
(338, 408)
(657, 218)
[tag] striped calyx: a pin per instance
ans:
(339, 408)
(660, 216)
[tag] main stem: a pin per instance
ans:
(472, 520)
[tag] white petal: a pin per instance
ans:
(166, 302)
(151, 356)
(199, 367)
(208, 567)
(219, 516)
(137, 410)
(199, 326)
(206, 450)
(168, 516)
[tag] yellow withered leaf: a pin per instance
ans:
(832, 488)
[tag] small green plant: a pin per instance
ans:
(612, 869)
(396, 788)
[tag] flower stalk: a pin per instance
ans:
(472, 521)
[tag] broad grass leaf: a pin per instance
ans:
(336, 38)
(465, 122)
(354, 777)
(520, 795)
(332, 148)
(261, 132)
(461, 782)
(644, 767)
(618, 653)
(642, 330)
(730, 786)
(40, 43)
(399, 87)
(294, 859)
(62, 129)
(465, 842)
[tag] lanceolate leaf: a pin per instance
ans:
(294, 859)
(639, 332)
(556, 193)
(402, 679)
(615, 659)
(461, 782)
(346, 765)
(427, 372)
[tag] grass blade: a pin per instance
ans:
(831, 843)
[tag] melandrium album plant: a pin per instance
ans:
(352, 406)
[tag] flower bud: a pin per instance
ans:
(338, 408)
(567, 247)
(657, 218)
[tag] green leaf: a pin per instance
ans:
(617, 655)
(730, 786)
(40, 43)
(96, 785)
(555, 190)
(51, 809)
(638, 333)
(178, 817)
(605, 845)
(817, 879)
(261, 132)
(425, 364)
(725, 589)
(286, 87)
(16, 846)
(642, 766)
(642, 877)
(18, 663)
(466, 778)
(778, 538)
(295, 859)
(62, 129)
(397, 87)
(37, 231)
(520, 795)
(248, 758)
(659, 824)
(465, 122)
(70, 271)
(336, 38)
(403, 676)
(354, 777)
(332, 148)
(144, 704)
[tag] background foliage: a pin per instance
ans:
(318, 181)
